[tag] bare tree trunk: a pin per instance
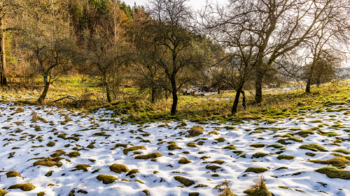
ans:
(258, 87)
(235, 103)
(309, 79)
(175, 99)
(108, 93)
(3, 80)
(46, 89)
(244, 100)
(153, 99)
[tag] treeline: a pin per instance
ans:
(167, 46)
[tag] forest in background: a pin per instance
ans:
(142, 60)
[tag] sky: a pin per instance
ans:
(196, 4)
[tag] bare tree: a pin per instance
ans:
(277, 27)
(173, 42)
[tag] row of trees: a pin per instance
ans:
(168, 46)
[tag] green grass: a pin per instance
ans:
(333, 172)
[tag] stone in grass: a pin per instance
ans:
(259, 155)
(119, 168)
(106, 179)
(81, 167)
(127, 150)
(258, 189)
(284, 156)
(184, 181)
(257, 170)
(74, 154)
(3, 192)
(333, 172)
(313, 147)
(184, 160)
(51, 144)
(24, 187)
(338, 162)
(195, 131)
(12, 174)
(149, 156)
(191, 144)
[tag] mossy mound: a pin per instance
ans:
(305, 133)
(83, 167)
(275, 146)
(200, 186)
(184, 181)
(51, 144)
(74, 154)
(195, 131)
(310, 154)
(220, 139)
(338, 162)
(91, 146)
(259, 155)
(333, 172)
(257, 145)
(342, 151)
(49, 162)
(146, 192)
(191, 144)
(257, 170)
(119, 168)
(3, 192)
(213, 133)
(40, 194)
(287, 157)
(184, 160)
(212, 167)
(58, 153)
(127, 150)
(313, 147)
(149, 156)
(173, 146)
(230, 147)
(106, 179)
(132, 172)
(12, 174)
(24, 187)
(259, 189)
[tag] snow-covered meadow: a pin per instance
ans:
(63, 153)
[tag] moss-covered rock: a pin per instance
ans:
(220, 139)
(24, 187)
(149, 156)
(51, 144)
(12, 174)
(230, 147)
(184, 181)
(313, 147)
(213, 132)
(132, 172)
(106, 179)
(275, 146)
(40, 194)
(256, 169)
(212, 167)
(58, 153)
(191, 144)
(333, 172)
(119, 168)
(257, 145)
(342, 151)
(49, 162)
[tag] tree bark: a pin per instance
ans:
(3, 80)
(309, 79)
(258, 87)
(44, 93)
(235, 103)
(174, 92)
(108, 93)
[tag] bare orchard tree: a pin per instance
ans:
(45, 36)
(277, 27)
(173, 42)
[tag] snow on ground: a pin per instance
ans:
(24, 142)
